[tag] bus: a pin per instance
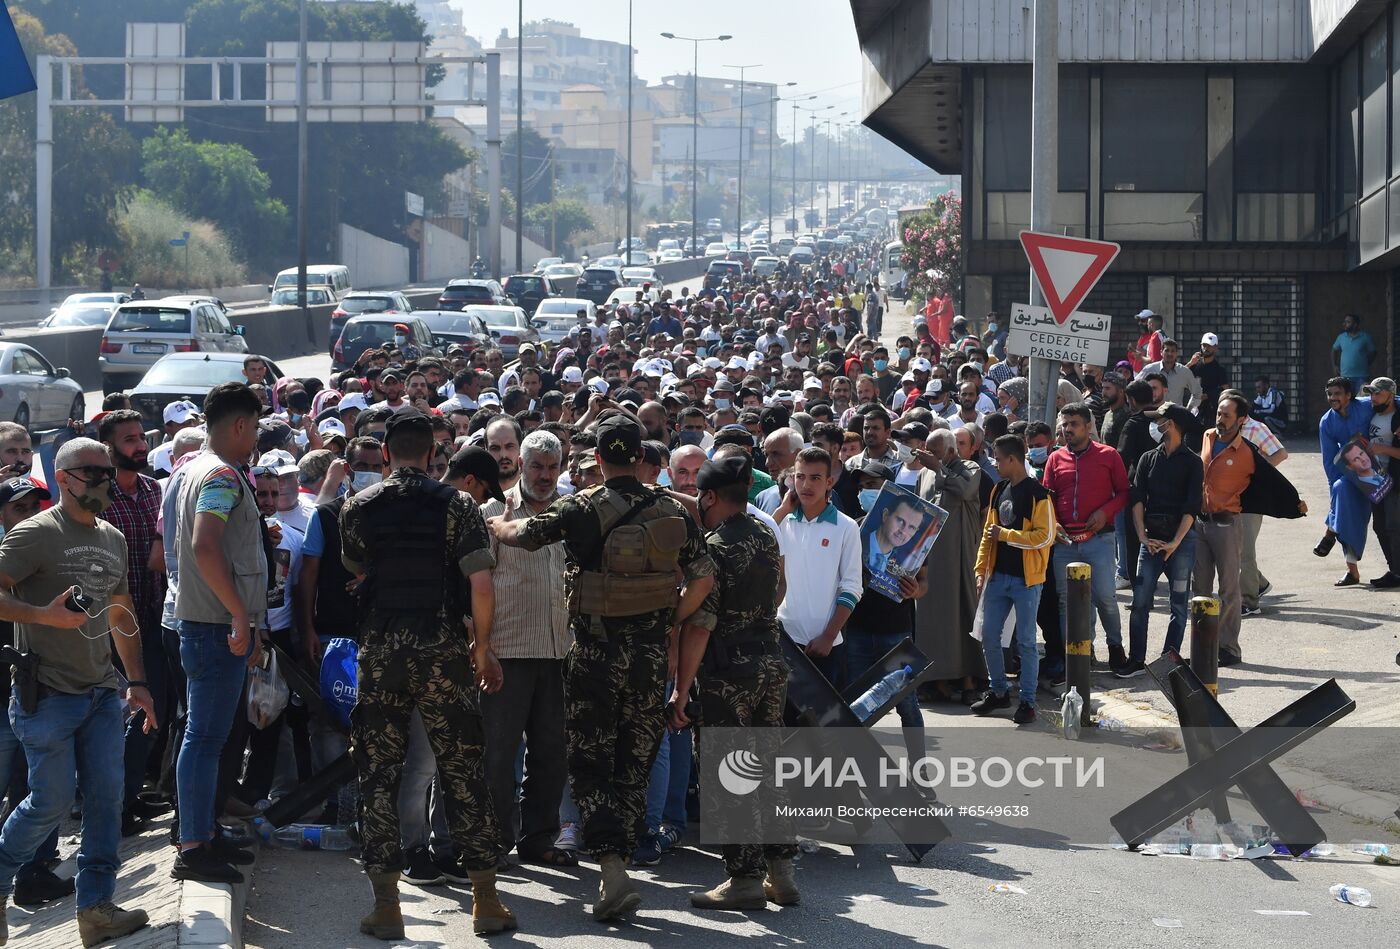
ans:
(893, 269)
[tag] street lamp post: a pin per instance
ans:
(628, 236)
(739, 200)
(695, 41)
(812, 157)
(772, 148)
(826, 185)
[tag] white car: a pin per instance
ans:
(564, 270)
(544, 263)
(636, 276)
(557, 316)
(760, 236)
(624, 295)
(667, 243)
(716, 249)
(669, 254)
(766, 266)
(802, 254)
(612, 261)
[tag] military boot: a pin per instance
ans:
(780, 887)
(616, 894)
(489, 914)
(106, 920)
(385, 921)
(733, 893)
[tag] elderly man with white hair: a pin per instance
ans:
(530, 636)
(780, 450)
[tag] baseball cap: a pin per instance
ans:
(1210, 339)
(915, 433)
(1177, 414)
(737, 362)
(877, 469)
(273, 433)
(572, 374)
(489, 398)
(524, 347)
(920, 364)
(16, 488)
(1379, 384)
(481, 464)
(280, 461)
(599, 385)
(619, 440)
(331, 426)
(314, 465)
(1144, 314)
(179, 412)
(390, 373)
(355, 400)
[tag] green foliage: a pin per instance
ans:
(220, 182)
(535, 166)
(147, 227)
(561, 219)
(93, 161)
(933, 251)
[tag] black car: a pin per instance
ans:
(528, 290)
(719, 269)
(453, 326)
(597, 284)
(375, 331)
(461, 293)
(188, 376)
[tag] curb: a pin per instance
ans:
(211, 914)
(1315, 787)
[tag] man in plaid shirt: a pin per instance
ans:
(135, 507)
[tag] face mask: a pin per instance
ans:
(293, 419)
(663, 480)
(691, 437)
(867, 498)
(364, 479)
(991, 327)
(1037, 456)
(399, 340)
(904, 352)
(722, 403)
(1155, 431)
(97, 498)
(881, 365)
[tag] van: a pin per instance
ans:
(335, 276)
(142, 331)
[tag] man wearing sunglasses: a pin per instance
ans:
(77, 718)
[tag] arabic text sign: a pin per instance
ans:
(1083, 338)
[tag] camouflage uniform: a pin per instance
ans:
(418, 660)
(613, 683)
(743, 678)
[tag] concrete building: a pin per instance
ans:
(558, 56)
(585, 119)
(1246, 153)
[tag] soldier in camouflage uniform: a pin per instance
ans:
(731, 645)
(629, 548)
(413, 541)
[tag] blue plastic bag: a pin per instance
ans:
(339, 673)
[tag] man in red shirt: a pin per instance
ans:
(1149, 345)
(1090, 486)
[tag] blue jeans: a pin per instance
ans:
(1178, 570)
(70, 742)
(214, 681)
(1001, 594)
(1100, 552)
(670, 778)
(1120, 532)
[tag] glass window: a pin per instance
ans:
(1348, 130)
(1154, 128)
(1008, 129)
(1280, 129)
(1375, 136)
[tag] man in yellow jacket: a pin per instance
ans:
(1011, 563)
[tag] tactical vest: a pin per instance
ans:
(335, 613)
(406, 534)
(641, 557)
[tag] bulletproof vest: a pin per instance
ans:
(641, 557)
(406, 533)
(336, 614)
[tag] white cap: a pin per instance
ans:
(695, 370)
(355, 400)
(180, 412)
(714, 362)
(1144, 314)
(281, 460)
(737, 362)
(811, 382)
(331, 426)
(782, 395)
(907, 377)
(920, 364)
(489, 398)
(599, 385)
(1210, 339)
(571, 374)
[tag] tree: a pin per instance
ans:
(221, 183)
(932, 255)
(94, 163)
(536, 166)
(560, 219)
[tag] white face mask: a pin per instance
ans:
(1155, 431)
(364, 479)
(399, 340)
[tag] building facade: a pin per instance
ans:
(1245, 153)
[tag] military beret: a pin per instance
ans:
(716, 474)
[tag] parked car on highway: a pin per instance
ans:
(365, 301)
(636, 276)
(597, 282)
(742, 256)
(719, 269)
(375, 330)
(802, 254)
(614, 261)
(35, 394)
(527, 290)
(188, 376)
(84, 309)
(509, 326)
(466, 292)
(315, 296)
(461, 327)
(670, 254)
(142, 331)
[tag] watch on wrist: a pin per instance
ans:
(135, 683)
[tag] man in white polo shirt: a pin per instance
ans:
(821, 562)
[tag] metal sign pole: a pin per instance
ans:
(1045, 182)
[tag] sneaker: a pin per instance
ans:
(230, 853)
(132, 824)
(419, 868)
(1247, 610)
(149, 808)
(1130, 669)
(199, 863)
(1094, 661)
(648, 852)
(668, 837)
(990, 702)
(1264, 590)
(1117, 658)
(453, 869)
(1122, 583)
(1025, 714)
(568, 839)
(39, 886)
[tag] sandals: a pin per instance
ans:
(1348, 580)
(553, 857)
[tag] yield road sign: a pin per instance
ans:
(1066, 268)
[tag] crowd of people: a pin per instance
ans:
(557, 570)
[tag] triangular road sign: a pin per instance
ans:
(1066, 268)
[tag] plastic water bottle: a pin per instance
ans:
(881, 692)
(313, 837)
(1354, 895)
(1214, 851)
(262, 829)
(1070, 711)
(1374, 850)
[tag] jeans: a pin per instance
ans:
(69, 735)
(1120, 533)
(1100, 553)
(670, 777)
(214, 683)
(422, 813)
(833, 665)
(864, 648)
(14, 779)
(1178, 570)
(1002, 594)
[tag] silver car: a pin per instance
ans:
(508, 325)
(142, 331)
(558, 315)
(33, 392)
(83, 309)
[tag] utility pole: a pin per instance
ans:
(793, 228)
(772, 146)
(1045, 181)
(739, 202)
(519, 137)
(695, 130)
(303, 212)
(493, 162)
(628, 235)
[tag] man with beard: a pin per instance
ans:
(134, 509)
(1229, 465)
(503, 442)
(16, 451)
(1384, 446)
(530, 636)
(652, 415)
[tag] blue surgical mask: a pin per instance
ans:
(992, 327)
(365, 479)
(881, 365)
(867, 498)
(904, 352)
(663, 480)
(722, 403)
(1037, 456)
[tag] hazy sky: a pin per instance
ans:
(810, 42)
